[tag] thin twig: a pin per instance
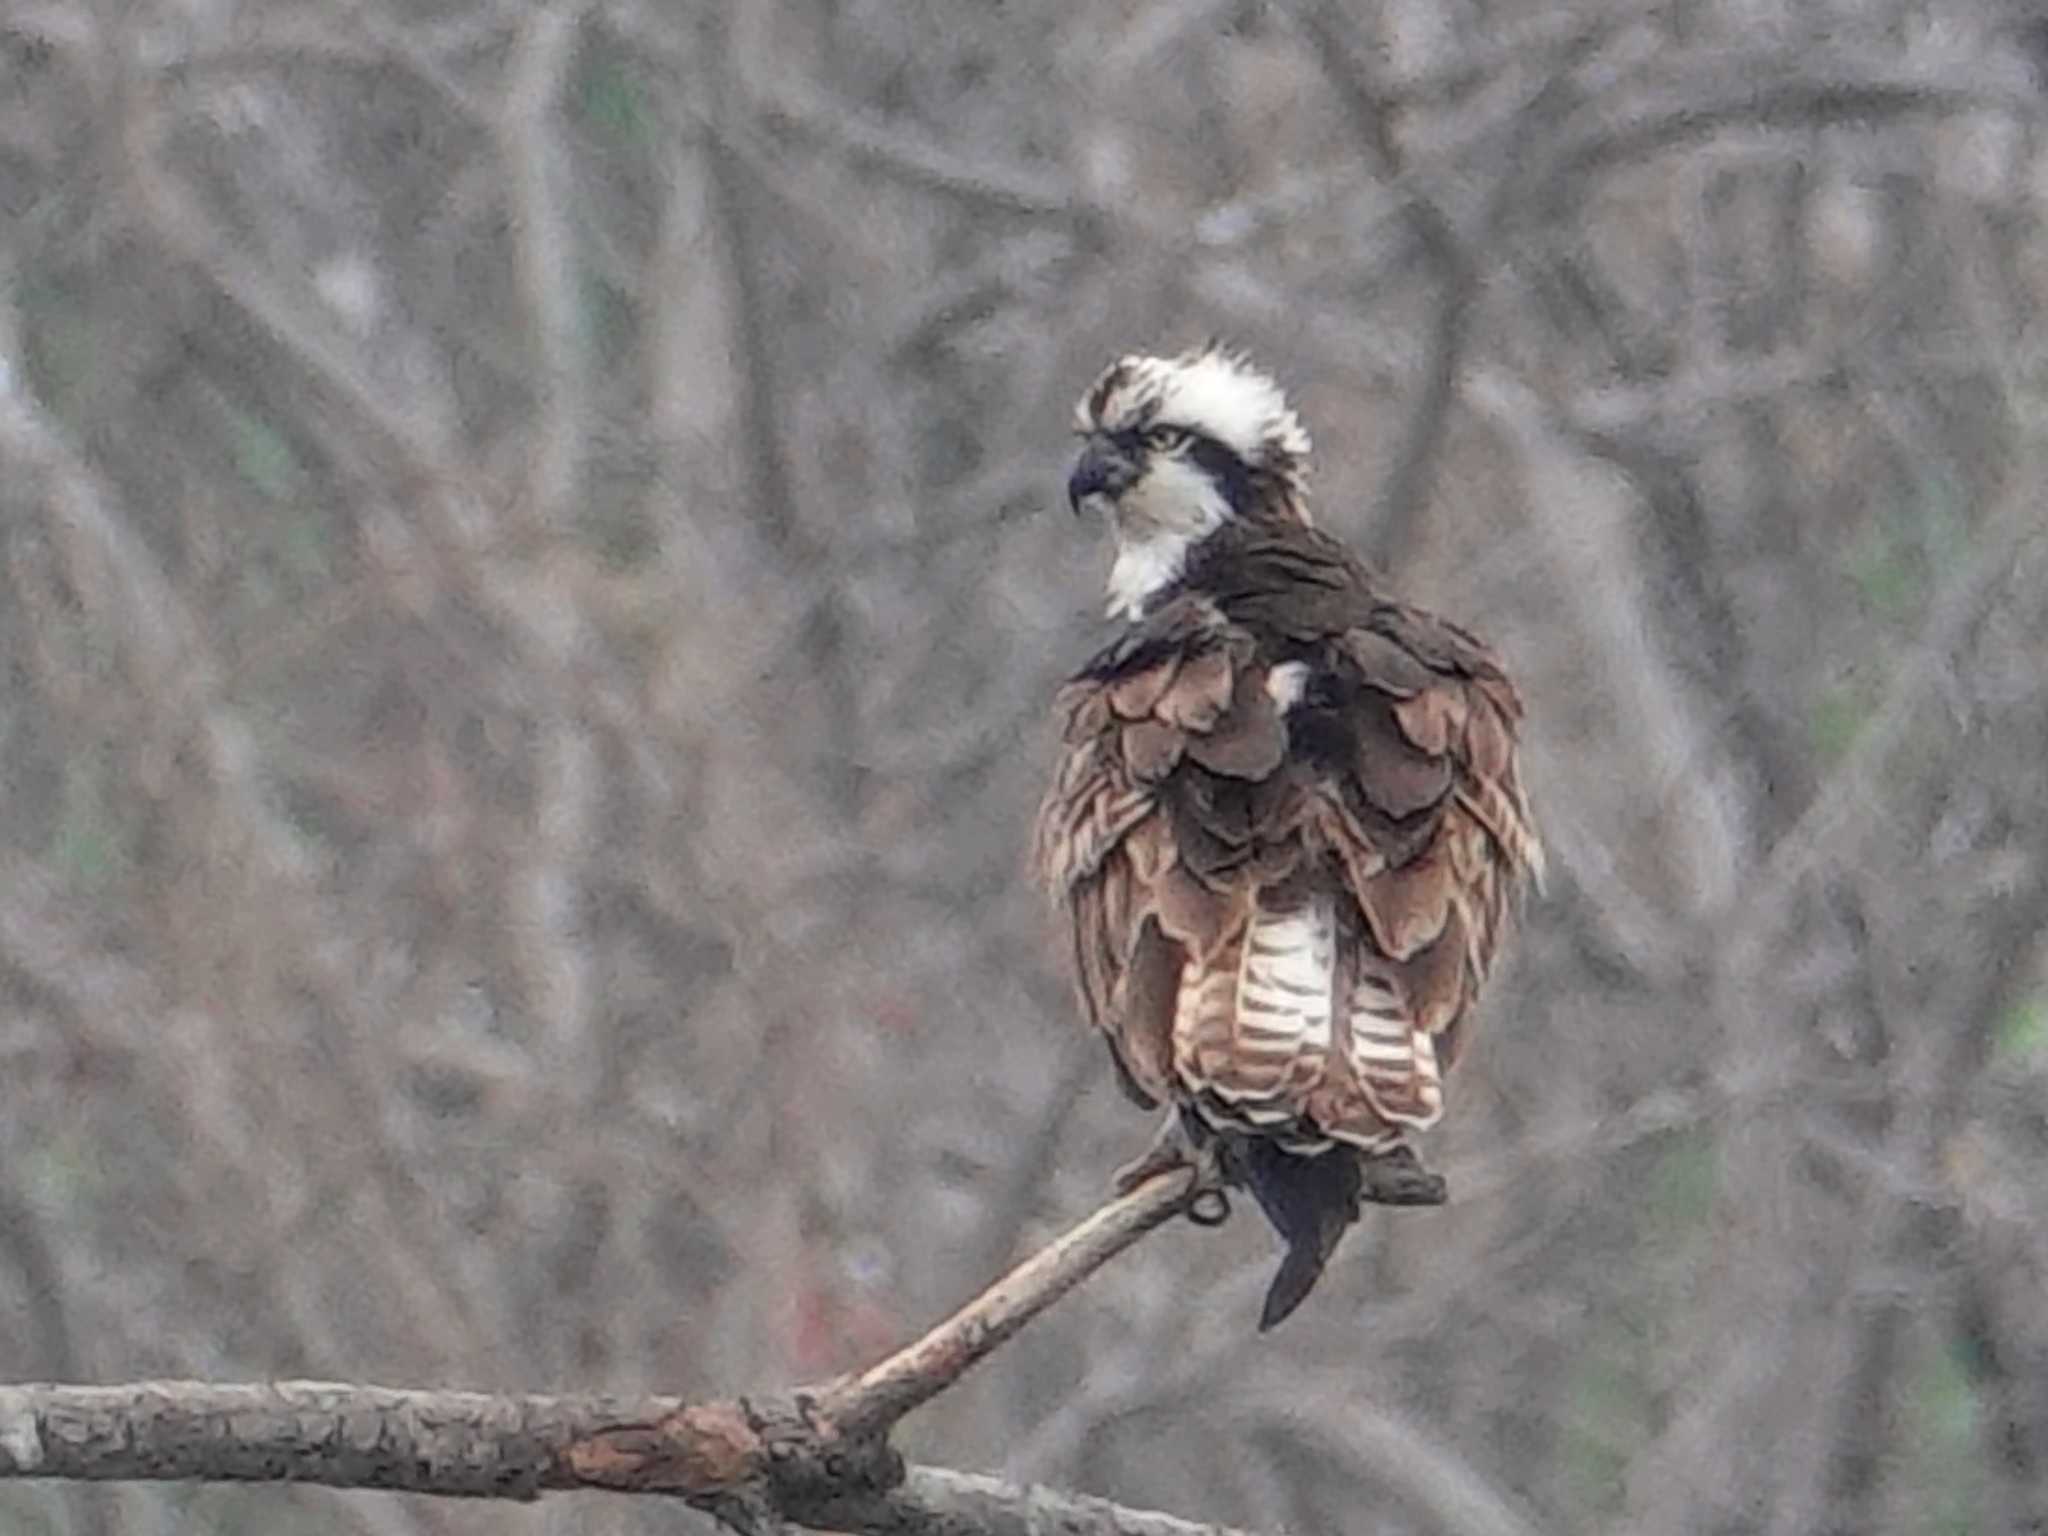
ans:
(1453, 1493)
(874, 1400)
(544, 249)
(919, 163)
(1746, 90)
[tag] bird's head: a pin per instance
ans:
(1177, 448)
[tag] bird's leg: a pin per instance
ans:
(1397, 1177)
(1172, 1147)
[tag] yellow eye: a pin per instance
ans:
(1168, 439)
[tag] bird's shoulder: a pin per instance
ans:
(1396, 709)
(1295, 591)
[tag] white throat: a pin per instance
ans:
(1158, 521)
(1144, 567)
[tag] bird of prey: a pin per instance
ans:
(1287, 830)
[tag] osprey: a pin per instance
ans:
(1287, 825)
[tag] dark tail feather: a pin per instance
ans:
(1310, 1201)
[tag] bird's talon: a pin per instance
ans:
(1169, 1150)
(1399, 1178)
(1139, 1170)
(1209, 1208)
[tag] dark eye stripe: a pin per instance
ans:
(1224, 467)
(1220, 463)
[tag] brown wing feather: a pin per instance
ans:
(1436, 758)
(1150, 864)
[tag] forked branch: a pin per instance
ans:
(818, 1457)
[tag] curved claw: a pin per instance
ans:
(1169, 1150)
(1209, 1208)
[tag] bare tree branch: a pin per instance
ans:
(1756, 91)
(393, 640)
(936, 169)
(1407, 483)
(547, 257)
(1450, 252)
(820, 1457)
(914, 1375)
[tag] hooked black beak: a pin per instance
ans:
(1103, 470)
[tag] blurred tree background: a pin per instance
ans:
(532, 570)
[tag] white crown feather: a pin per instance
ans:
(1212, 390)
